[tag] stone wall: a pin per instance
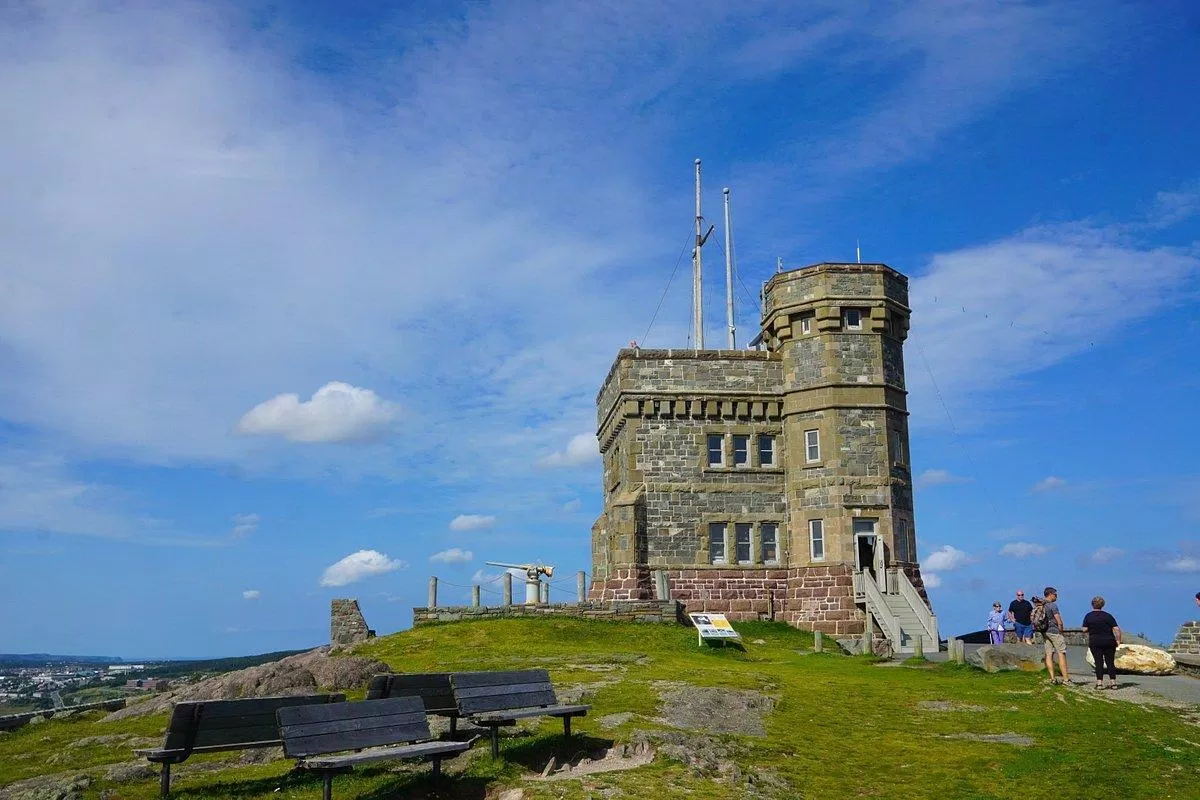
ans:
(667, 612)
(346, 623)
(1187, 641)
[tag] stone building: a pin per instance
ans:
(771, 483)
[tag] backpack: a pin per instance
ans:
(1038, 618)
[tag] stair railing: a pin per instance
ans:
(878, 607)
(909, 592)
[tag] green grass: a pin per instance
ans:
(842, 727)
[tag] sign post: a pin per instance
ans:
(713, 626)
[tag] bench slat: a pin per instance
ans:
(226, 723)
(319, 730)
(467, 680)
(522, 713)
(352, 724)
(433, 688)
(421, 750)
(324, 743)
(334, 711)
(476, 705)
(513, 688)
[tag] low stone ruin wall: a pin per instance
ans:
(346, 623)
(1187, 641)
(668, 611)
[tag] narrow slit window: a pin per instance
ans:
(766, 450)
(852, 317)
(742, 540)
(816, 535)
(812, 446)
(768, 535)
(716, 542)
(806, 323)
(741, 451)
(716, 450)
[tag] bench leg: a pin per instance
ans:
(495, 741)
(566, 727)
(164, 780)
(453, 727)
(327, 788)
(437, 768)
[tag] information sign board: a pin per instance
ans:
(712, 626)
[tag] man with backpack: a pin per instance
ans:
(1047, 620)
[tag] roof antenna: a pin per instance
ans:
(729, 276)
(779, 263)
(697, 271)
(857, 252)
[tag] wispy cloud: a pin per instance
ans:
(1182, 564)
(472, 522)
(1105, 555)
(244, 525)
(1048, 484)
(359, 565)
(251, 594)
(932, 580)
(454, 555)
(1024, 549)
(938, 477)
(946, 559)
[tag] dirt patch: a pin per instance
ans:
(713, 710)
(946, 705)
(612, 759)
(304, 673)
(611, 721)
(999, 738)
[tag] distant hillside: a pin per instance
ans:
(175, 669)
(27, 659)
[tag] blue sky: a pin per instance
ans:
(286, 285)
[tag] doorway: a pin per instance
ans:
(868, 551)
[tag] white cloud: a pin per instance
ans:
(452, 556)
(471, 522)
(1104, 555)
(932, 579)
(359, 565)
(582, 449)
(572, 506)
(938, 477)
(1024, 549)
(1048, 484)
(337, 412)
(251, 594)
(244, 524)
(1182, 564)
(946, 559)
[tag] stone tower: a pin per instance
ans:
(771, 483)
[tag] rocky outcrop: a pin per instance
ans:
(1006, 657)
(1140, 659)
(305, 673)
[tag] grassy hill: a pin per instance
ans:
(811, 726)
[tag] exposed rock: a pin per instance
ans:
(68, 786)
(704, 756)
(610, 721)
(260, 755)
(1001, 738)
(1140, 659)
(512, 794)
(704, 708)
(882, 648)
(304, 673)
(131, 771)
(1003, 657)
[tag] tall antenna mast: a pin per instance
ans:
(729, 276)
(857, 252)
(697, 273)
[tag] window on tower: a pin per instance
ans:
(741, 450)
(716, 542)
(768, 542)
(852, 319)
(806, 322)
(766, 450)
(741, 533)
(716, 450)
(816, 537)
(812, 446)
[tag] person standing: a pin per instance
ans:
(1018, 612)
(995, 624)
(1052, 637)
(1104, 636)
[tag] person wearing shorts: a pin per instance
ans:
(1018, 613)
(1052, 639)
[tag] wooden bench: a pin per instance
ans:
(212, 726)
(494, 699)
(432, 687)
(394, 727)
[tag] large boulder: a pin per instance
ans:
(1004, 657)
(1140, 659)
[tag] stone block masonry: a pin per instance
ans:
(653, 611)
(1187, 641)
(346, 623)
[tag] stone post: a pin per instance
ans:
(545, 594)
(432, 603)
(919, 647)
(866, 638)
(818, 642)
(508, 588)
(581, 586)
(475, 595)
(662, 585)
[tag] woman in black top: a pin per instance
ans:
(1103, 638)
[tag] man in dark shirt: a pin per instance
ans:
(1018, 612)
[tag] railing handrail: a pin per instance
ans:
(882, 612)
(909, 593)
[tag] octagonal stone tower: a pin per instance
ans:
(771, 483)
